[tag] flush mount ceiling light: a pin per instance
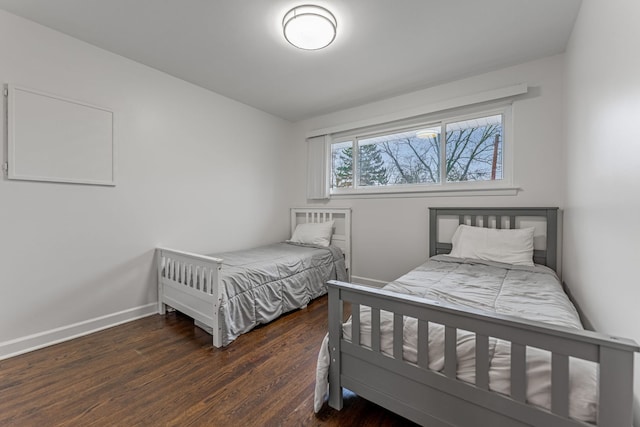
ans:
(309, 27)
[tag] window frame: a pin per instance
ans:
(503, 186)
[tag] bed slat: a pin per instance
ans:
(398, 326)
(512, 222)
(518, 372)
(560, 384)
(375, 329)
(450, 351)
(482, 361)
(498, 222)
(355, 323)
(423, 343)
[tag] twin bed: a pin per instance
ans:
(229, 294)
(467, 340)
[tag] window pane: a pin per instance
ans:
(410, 157)
(342, 165)
(474, 149)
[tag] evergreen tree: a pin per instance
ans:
(344, 171)
(371, 169)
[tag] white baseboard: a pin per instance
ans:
(65, 333)
(367, 281)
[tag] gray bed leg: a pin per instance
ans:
(616, 387)
(335, 334)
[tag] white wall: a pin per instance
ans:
(196, 171)
(390, 235)
(602, 231)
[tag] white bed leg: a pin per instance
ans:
(217, 291)
(160, 265)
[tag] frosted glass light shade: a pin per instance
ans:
(309, 27)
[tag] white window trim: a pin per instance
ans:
(507, 92)
(417, 190)
(505, 186)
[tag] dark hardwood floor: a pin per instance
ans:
(161, 370)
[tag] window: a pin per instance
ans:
(474, 150)
(439, 154)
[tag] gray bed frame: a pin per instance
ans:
(438, 398)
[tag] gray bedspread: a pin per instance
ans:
(262, 283)
(532, 293)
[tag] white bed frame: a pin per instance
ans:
(190, 283)
(439, 398)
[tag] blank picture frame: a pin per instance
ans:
(51, 138)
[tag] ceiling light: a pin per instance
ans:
(309, 27)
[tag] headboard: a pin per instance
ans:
(341, 229)
(501, 218)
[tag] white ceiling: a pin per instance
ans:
(383, 47)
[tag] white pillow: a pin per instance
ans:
(313, 233)
(489, 244)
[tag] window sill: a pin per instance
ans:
(426, 192)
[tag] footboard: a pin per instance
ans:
(190, 283)
(439, 398)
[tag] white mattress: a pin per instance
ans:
(532, 293)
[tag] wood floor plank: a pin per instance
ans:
(161, 370)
